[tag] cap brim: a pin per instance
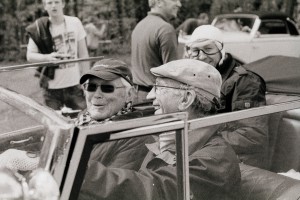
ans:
(108, 76)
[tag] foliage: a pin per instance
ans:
(120, 16)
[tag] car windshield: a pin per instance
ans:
(235, 24)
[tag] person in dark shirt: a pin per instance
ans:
(153, 43)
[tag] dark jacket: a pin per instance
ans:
(243, 89)
(124, 153)
(39, 32)
(213, 167)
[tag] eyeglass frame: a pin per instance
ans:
(187, 87)
(187, 49)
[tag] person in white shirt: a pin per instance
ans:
(59, 37)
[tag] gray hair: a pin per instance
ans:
(202, 106)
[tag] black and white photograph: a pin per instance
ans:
(150, 100)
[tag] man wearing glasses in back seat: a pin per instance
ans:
(241, 89)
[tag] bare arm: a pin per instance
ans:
(34, 55)
(83, 53)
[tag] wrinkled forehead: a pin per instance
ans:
(45, 1)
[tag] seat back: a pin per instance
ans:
(284, 136)
(259, 184)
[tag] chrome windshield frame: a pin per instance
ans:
(60, 128)
(125, 129)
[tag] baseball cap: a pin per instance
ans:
(194, 73)
(108, 69)
(208, 32)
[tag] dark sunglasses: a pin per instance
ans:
(92, 87)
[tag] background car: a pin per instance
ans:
(249, 37)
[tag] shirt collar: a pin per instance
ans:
(159, 15)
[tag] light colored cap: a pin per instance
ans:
(195, 73)
(208, 32)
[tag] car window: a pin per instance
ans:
(235, 24)
(273, 27)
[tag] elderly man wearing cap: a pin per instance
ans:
(241, 89)
(108, 91)
(183, 85)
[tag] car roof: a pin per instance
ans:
(261, 15)
(281, 73)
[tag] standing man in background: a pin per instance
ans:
(153, 43)
(53, 38)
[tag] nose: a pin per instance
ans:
(202, 55)
(98, 93)
(151, 94)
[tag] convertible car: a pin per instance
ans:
(63, 149)
(251, 36)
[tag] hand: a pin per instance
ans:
(54, 56)
(18, 160)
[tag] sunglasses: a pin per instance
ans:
(92, 87)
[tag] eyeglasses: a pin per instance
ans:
(214, 100)
(156, 86)
(208, 50)
(92, 87)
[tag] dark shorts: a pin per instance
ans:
(71, 97)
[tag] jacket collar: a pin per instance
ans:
(197, 139)
(226, 67)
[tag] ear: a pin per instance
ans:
(187, 100)
(130, 94)
(158, 3)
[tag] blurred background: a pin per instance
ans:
(119, 18)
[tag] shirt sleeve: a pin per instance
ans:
(32, 47)
(168, 43)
